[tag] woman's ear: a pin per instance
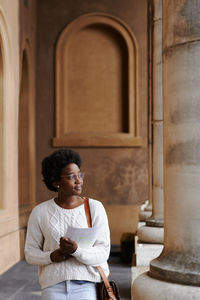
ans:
(56, 184)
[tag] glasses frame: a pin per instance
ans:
(80, 176)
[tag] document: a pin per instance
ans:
(84, 237)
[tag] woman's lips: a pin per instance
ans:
(78, 187)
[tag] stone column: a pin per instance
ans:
(150, 236)
(180, 261)
(157, 121)
(153, 231)
(145, 212)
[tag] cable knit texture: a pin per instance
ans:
(47, 223)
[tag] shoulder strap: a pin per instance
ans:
(87, 212)
(99, 268)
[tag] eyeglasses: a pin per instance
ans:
(73, 177)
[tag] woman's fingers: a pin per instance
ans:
(68, 246)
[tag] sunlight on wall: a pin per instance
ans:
(1, 127)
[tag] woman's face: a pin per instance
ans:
(71, 180)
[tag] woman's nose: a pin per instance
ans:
(77, 180)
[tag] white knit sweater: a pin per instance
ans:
(47, 223)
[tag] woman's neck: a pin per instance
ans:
(68, 202)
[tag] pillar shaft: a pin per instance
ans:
(147, 233)
(180, 260)
(157, 122)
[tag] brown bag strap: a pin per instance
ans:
(87, 212)
(99, 268)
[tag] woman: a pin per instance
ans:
(66, 270)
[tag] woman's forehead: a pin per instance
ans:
(72, 167)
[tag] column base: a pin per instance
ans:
(148, 207)
(155, 222)
(176, 267)
(147, 288)
(144, 255)
(144, 215)
(146, 252)
(137, 271)
(153, 235)
(140, 224)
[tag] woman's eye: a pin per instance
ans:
(73, 176)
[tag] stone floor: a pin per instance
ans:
(21, 283)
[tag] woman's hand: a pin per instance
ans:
(67, 246)
(59, 256)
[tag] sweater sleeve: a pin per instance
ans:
(100, 251)
(34, 242)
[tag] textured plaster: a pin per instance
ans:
(115, 176)
(182, 23)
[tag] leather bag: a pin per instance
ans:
(102, 291)
(106, 290)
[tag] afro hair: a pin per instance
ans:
(53, 164)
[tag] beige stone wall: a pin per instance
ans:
(17, 32)
(9, 226)
(26, 142)
(116, 176)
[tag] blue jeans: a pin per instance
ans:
(70, 290)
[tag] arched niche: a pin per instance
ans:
(26, 138)
(24, 159)
(96, 84)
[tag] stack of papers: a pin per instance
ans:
(84, 237)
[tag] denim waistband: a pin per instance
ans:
(81, 281)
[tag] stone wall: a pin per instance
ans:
(9, 40)
(117, 176)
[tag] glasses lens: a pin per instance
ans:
(74, 176)
(81, 175)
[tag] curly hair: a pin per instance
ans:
(53, 164)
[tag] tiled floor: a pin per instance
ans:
(21, 283)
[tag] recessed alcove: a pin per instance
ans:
(1, 126)
(24, 159)
(96, 84)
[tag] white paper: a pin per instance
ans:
(84, 237)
